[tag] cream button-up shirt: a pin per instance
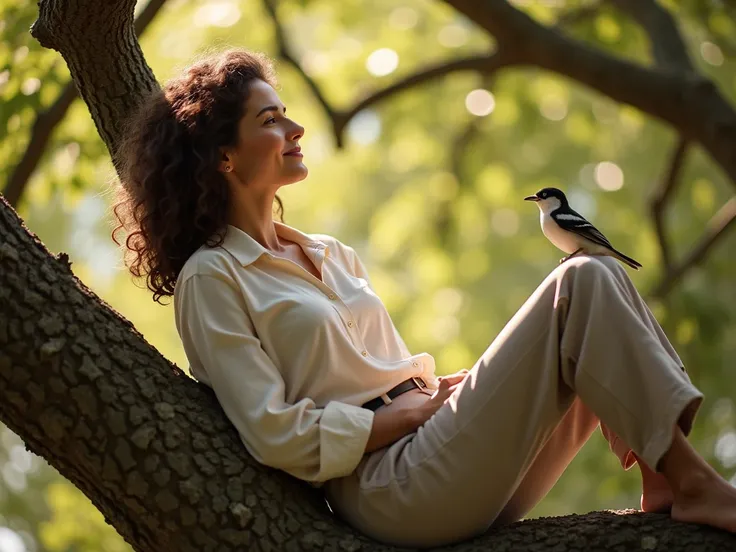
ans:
(291, 357)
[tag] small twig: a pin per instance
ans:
(716, 228)
(662, 196)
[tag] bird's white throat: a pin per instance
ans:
(548, 205)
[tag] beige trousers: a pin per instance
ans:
(584, 349)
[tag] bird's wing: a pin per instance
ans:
(575, 222)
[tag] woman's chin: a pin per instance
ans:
(297, 174)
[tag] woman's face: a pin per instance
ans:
(267, 151)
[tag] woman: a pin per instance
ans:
(308, 366)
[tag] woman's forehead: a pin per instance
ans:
(261, 94)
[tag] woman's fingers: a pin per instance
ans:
(453, 378)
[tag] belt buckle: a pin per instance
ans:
(419, 382)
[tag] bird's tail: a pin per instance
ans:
(628, 260)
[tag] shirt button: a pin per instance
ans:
(364, 353)
(332, 296)
(350, 323)
(415, 364)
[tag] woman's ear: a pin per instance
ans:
(226, 163)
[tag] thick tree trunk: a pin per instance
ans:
(149, 446)
(155, 453)
(98, 42)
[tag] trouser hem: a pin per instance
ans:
(662, 440)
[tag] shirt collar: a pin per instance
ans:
(246, 250)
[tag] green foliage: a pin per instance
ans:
(451, 247)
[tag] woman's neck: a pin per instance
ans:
(254, 216)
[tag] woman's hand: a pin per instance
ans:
(457, 377)
(440, 396)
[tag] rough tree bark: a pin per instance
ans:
(150, 447)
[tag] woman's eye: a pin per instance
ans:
(270, 120)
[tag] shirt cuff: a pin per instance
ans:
(344, 433)
(431, 380)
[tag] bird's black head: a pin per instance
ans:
(548, 193)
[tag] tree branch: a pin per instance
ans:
(103, 55)
(483, 63)
(688, 101)
(661, 197)
(668, 47)
(157, 456)
(670, 52)
(578, 14)
(41, 131)
(46, 121)
(716, 228)
(286, 54)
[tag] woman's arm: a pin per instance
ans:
(390, 425)
(311, 443)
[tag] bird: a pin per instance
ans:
(569, 231)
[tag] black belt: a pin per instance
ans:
(403, 387)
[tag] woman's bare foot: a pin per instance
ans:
(657, 496)
(701, 494)
(708, 499)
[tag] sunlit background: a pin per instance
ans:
(428, 189)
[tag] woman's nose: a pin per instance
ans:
(295, 132)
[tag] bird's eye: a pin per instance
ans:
(544, 194)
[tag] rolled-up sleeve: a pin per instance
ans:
(310, 443)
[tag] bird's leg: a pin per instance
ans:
(571, 255)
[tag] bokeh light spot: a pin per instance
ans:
(315, 63)
(726, 449)
(711, 53)
(365, 127)
(403, 18)
(10, 541)
(553, 108)
(382, 62)
(30, 86)
(480, 102)
(609, 176)
(20, 54)
(217, 14)
(4, 78)
(452, 35)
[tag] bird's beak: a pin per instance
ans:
(531, 198)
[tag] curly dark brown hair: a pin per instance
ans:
(171, 198)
